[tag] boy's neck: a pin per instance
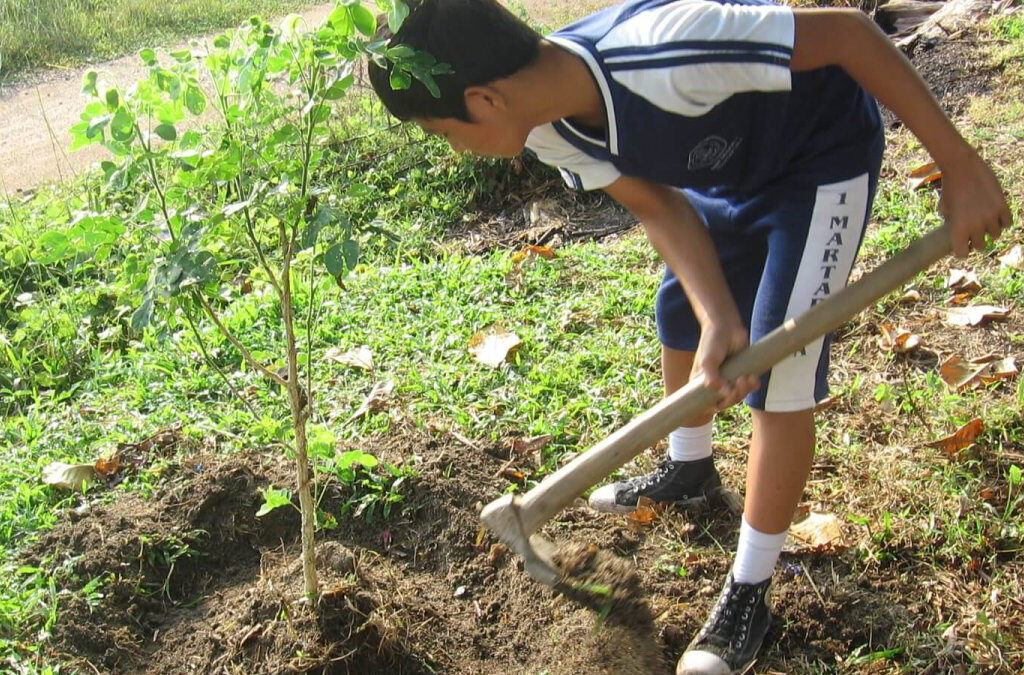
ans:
(557, 85)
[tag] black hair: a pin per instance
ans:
(481, 41)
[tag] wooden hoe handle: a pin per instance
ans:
(559, 489)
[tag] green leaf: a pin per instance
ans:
(338, 89)
(364, 20)
(113, 100)
(123, 125)
(222, 42)
(321, 441)
(400, 79)
(143, 316)
(166, 132)
(397, 15)
(272, 499)
(428, 81)
(1016, 475)
(148, 56)
(89, 83)
(399, 52)
(351, 457)
(341, 19)
(350, 251)
(334, 260)
(195, 100)
(289, 133)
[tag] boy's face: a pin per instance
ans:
(488, 137)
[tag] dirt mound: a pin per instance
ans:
(193, 580)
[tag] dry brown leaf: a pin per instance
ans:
(68, 476)
(377, 399)
(493, 346)
(960, 299)
(960, 439)
(975, 315)
(531, 447)
(959, 373)
(817, 533)
(897, 340)
(1003, 369)
(108, 466)
(360, 357)
(1013, 258)
(646, 512)
(910, 297)
(925, 174)
(529, 251)
(513, 474)
(963, 281)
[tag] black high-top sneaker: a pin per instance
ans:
(679, 483)
(729, 641)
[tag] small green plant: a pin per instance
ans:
(162, 553)
(244, 200)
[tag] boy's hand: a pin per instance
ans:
(972, 203)
(717, 341)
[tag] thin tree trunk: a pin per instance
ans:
(298, 404)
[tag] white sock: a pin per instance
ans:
(686, 444)
(756, 554)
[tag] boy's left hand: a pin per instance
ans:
(972, 203)
(718, 341)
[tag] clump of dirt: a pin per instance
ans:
(625, 639)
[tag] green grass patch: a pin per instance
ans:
(47, 33)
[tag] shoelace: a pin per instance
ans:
(735, 607)
(643, 482)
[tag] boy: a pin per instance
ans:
(745, 139)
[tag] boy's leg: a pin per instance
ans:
(812, 244)
(687, 474)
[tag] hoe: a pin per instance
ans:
(516, 519)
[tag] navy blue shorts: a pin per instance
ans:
(782, 251)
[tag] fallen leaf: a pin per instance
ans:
(376, 400)
(645, 513)
(69, 476)
(531, 447)
(1014, 258)
(961, 374)
(493, 346)
(961, 298)
(817, 533)
(897, 340)
(910, 297)
(1003, 369)
(960, 439)
(531, 251)
(925, 174)
(963, 281)
(513, 474)
(975, 315)
(108, 466)
(360, 357)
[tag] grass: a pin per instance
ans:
(941, 533)
(37, 34)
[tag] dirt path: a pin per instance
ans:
(35, 116)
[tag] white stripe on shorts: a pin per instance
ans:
(836, 225)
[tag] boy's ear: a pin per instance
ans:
(483, 102)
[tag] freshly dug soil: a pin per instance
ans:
(195, 582)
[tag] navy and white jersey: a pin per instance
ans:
(699, 94)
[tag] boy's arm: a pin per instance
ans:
(677, 232)
(972, 201)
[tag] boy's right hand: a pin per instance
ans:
(972, 203)
(717, 342)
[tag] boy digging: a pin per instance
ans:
(745, 139)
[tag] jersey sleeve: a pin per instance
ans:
(579, 170)
(688, 56)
